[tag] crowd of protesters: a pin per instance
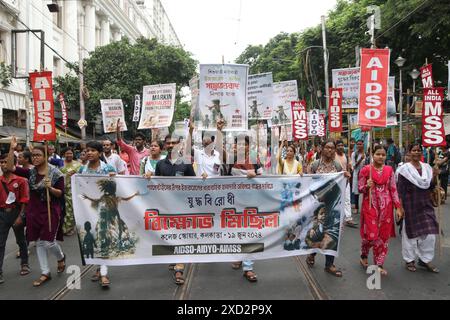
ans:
(378, 182)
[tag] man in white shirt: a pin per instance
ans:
(207, 159)
(114, 159)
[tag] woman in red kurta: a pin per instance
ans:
(377, 219)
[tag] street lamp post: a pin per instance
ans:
(414, 74)
(400, 62)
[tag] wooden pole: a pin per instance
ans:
(47, 190)
(370, 171)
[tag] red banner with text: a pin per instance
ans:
(373, 94)
(335, 112)
(433, 134)
(299, 120)
(63, 110)
(426, 74)
(44, 111)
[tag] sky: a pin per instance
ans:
(210, 29)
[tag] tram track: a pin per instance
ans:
(314, 287)
(61, 293)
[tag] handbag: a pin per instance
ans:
(435, 196)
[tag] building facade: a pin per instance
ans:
(77, 29)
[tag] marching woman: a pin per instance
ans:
(289, 166)
(377, 184)
(95, 165)
(37, 212)
(69, 169)
(415, 182)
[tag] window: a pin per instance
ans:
(58, 16)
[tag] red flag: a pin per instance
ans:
(299, 120)
(373, 92)
(433, 134)
(63, 110)
(321, 126)
(44, 111)
(335, 112)
(426, 74)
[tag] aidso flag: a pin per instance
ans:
(112, 110)
(433, 134)
(158, 103)
(223, 96)
(373, 87)
(335, 112)
(44, 109)
(131, 220)
(300, 120)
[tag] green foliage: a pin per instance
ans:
(5, 74)
(120, 70)
(424, 34)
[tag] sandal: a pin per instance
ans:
(250, 276)
(310, 259)
(428, 266)
(334, 271)
(62, 264)
(411, 266)
(351, 224)
(178, 280)
(104, 281)
(364, 262)
(382, 271)
(236, 265)
(24, 269)
(42, 279)
(96, 276)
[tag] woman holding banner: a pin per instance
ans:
(415, 182)
(94, 151)
(326, 164)
(37, 215)
(377, 184)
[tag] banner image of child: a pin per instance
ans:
(112, 236)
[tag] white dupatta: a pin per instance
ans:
(410, 173)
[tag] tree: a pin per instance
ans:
(121, 69)
(416, 29)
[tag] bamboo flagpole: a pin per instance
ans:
(371, 164)
(47, 189)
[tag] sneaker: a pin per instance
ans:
(1, 278)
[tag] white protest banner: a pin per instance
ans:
(286, 133)
(64, 118)
(283, 94)
(260, 96)
(112, 110)
(314, 122)
(137, 108)
(300, 120)
(223, 95)
(131, 220)
(158, 104)
(348, 80)
(195, 111)
(391, 106)
(447, 125)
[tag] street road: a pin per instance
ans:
(287, 279)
